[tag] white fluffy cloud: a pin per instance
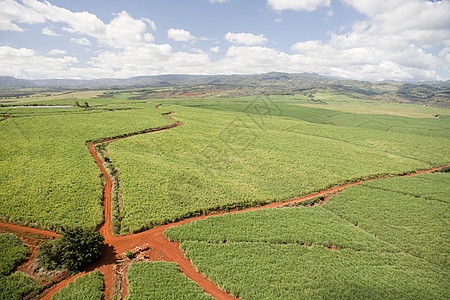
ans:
(218, 1)
(215, 49)
(180, 35)
(57, 52)
(122, 32)
(388, 44)
(82, 41)
(385, 44)
(246, 38)
(306, 5)
(26, 63)
(12, 12)
(48, 31)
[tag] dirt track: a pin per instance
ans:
(160, 247)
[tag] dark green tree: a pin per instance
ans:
(74, 250)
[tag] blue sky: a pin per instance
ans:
(355, 39)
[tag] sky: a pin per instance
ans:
(375, 40)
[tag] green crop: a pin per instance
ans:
(49, 178)
(415, 224)
(17, 286)
(303, 226)
(274, 271)
(86, 287)
(391, 237)
(161, 280)
(226, 160)
(13, 285)
(13, 252)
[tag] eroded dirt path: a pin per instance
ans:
(156, 245)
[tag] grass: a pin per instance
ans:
(13, 253)
(86, 287)
(49, 178)
(161, 280)
(225, 160)
(391, 245)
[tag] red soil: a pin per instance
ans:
(335, 122)
(7, 117)
(160, 247)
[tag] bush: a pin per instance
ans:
(75, 249)
(129, 254)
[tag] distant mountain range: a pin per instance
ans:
(169, 80)
(436, 93)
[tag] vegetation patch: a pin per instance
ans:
(16, 286)
(49, 179)
(226, 160)
(13, 252)
(392, 242)
(74, 250)
(86, 287)
(161, 281)
(13, 285)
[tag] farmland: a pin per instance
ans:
(48, 178)
(161, 280)
(220, 160)
(283, 253)
(13, 252)
(13, 285)
(86, 287)
(231, 154)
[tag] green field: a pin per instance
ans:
(390, 245)
(13, 253)
(13, 285)
(221, 160)
(86, 287)
(49, 178)
(161, 281)
(391, 235)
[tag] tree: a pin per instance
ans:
(75, 249)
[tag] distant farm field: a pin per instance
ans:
(222, 159)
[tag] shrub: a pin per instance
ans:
(75, 249)
(129, 254)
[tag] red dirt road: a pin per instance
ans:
(160, 247)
